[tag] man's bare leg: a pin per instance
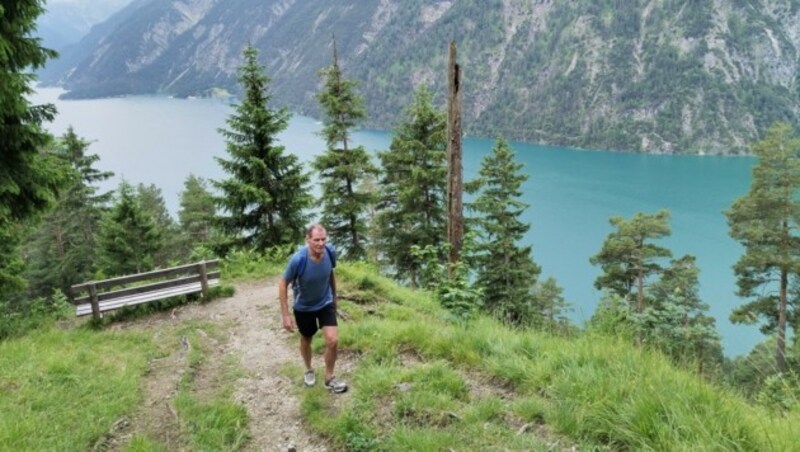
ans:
(331, 334)
(305, 350)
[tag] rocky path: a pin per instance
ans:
(249, 333)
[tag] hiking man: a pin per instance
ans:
(310, 271)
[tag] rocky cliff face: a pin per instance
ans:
(647, 75)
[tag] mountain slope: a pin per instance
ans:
(65, 22)
(659, 76)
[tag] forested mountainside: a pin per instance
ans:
(672, 76)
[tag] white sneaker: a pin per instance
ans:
(335, 385)
(309, 378)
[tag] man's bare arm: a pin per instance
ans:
(333, 290)
(283, 297)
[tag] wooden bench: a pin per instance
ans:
(110, 294)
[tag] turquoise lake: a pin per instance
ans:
(572, 193)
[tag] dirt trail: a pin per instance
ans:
(257, 343)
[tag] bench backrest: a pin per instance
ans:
(114, 293)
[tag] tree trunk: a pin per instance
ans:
(780, 351)
(59, 242)
(455, 214)
(640, 280)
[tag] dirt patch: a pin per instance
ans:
(249, 333)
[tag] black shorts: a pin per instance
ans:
(309, 322)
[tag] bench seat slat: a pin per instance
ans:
(134, 299)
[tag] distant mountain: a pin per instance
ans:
(646, 75)
(65, 22)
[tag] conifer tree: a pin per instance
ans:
(129, 238)
(505, 270)
(676, 320)
(748, 373)
(662, 304)
(551, 308)
(28, 179)
(265, 198)
(411, 208)
(62, 251)
(151, 199)
(152, 202)
(765, 221)
(343, 168)
(629, 258)
(196, 215)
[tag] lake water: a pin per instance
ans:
(572, 193)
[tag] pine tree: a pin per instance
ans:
(151, 200)
(629, 259)
(267, 193)
(664, 308)
(676, 321)
(765, 221)
(62, 251)
(411, 207)
(129, 238)
(29, 180)
(550, 307)
(196, 215)
(343, 168)
(748, 373)
(505, 270)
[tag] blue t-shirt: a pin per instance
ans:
(314, 286)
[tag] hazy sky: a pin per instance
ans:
(88, 2)
(104, 4)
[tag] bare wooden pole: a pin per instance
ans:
(455, 182)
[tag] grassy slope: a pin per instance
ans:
(62, 390)
(421, 382)
(70, 388)
(426, 383)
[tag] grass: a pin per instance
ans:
(218, 424)
(64, 387)
(143, 443)
(426, 382)
(210, 420)
(422, 381)
(251, 265)
(63, 390)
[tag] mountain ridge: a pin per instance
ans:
(66, 22)
(655, 76)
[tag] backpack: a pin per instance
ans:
(301, 265)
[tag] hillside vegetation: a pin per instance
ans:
(659, 76)
(420, 381)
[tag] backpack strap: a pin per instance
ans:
(331, 253)
(301, 267)
(301, 264)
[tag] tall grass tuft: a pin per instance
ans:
(218, 424)
(17, 319)
(252, 265)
